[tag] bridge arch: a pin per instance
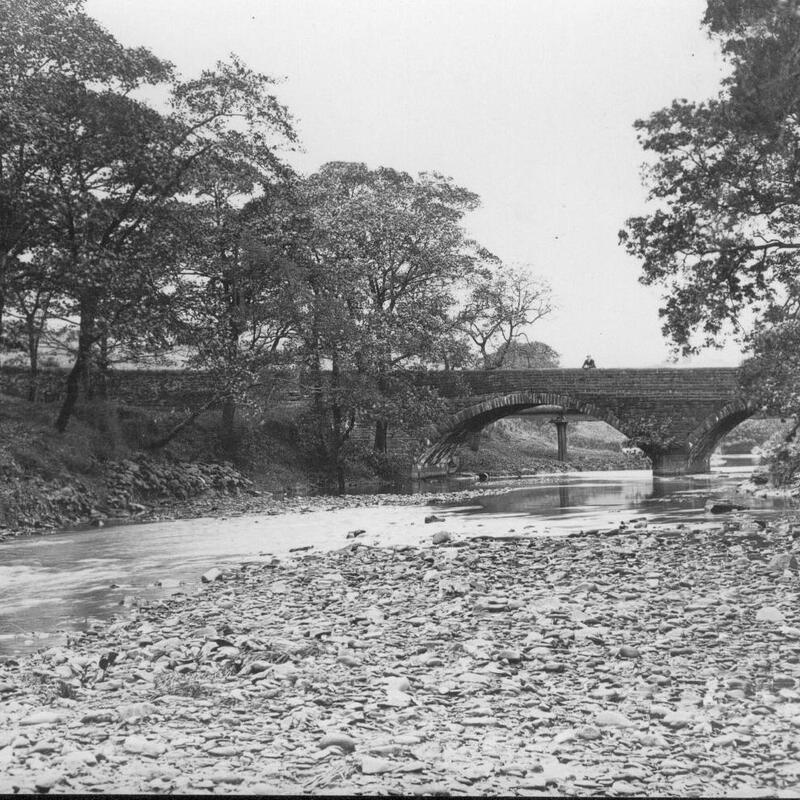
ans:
(455, 429)
(705, 437)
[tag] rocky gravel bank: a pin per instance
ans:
(652, 662)
(128, 489)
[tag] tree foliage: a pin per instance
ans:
(503, 304)
(530, 355)
(651, 434)
(722, 236)
(387, 258)
(88, 169)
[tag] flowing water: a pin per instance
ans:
(63, 582)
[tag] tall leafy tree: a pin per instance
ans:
(388, 258)
(227, 114)
(49, 50)
(722, 235)
(241, 281)
(100, 165)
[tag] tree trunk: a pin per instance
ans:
(232, 346)
(33, 366)
(340, 476)
(381, 425)
(33, 356)
(156, 444)
(381, 429)
(337, 418)
(86, 375)
(78, 371)
(228, 416)
(72, 390)
(102, 367)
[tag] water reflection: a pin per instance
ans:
(629, 492)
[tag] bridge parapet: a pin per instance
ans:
(703, 383)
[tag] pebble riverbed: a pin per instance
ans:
(651, 662)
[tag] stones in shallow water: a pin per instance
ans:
(211, 575)
(722, 507)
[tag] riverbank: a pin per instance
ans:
(223, 506)
(97, 473)
(652, 662)
(35, 507)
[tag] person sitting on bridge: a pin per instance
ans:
(589, 363)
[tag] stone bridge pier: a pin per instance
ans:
(691, 409)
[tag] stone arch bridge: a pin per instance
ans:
(694, 408)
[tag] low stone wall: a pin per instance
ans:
(139, 387)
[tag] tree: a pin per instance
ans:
(530, 355)
(722, 237)
(388, 257)
(89, 170)
(650, 434)
(30, 298)
(49, 51)
(501, 307)
(241, 277)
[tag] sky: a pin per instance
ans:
(529, 103)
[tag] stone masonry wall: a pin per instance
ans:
(684, 396)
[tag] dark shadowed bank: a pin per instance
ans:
(100, 471)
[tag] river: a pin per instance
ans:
(63, 582)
